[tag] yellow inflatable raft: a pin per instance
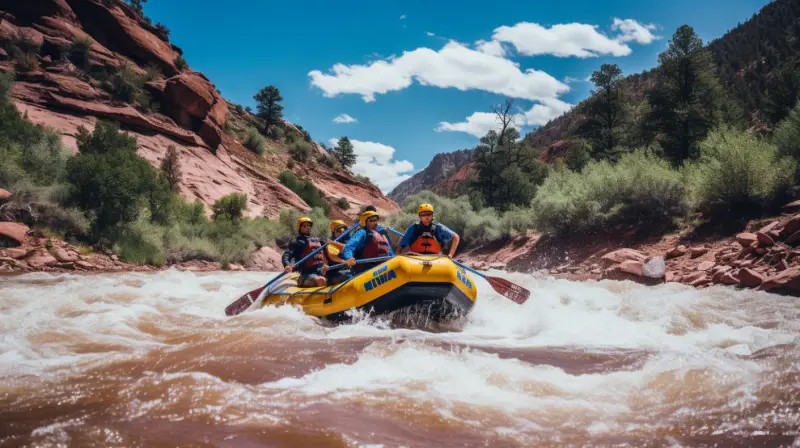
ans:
(429, 285)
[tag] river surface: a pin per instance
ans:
(150, 360)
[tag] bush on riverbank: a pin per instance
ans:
(639, 189)
(110, 197)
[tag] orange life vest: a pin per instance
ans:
(423, 240)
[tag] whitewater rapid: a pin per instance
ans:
(140, 359)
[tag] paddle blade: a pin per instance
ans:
(243, 302)
(509, 290)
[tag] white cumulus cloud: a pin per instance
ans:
(453, 66)
(575, 39)
(403, 17)
(344, 118)
(563, 40)
(479, 123)
(375, 161)
(633, 31)
(493, 48)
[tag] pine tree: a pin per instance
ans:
(137, 6)
(685, 102)
(171, 168)
(268, 105)
(508, 171)
(606, 113)
(345, 153)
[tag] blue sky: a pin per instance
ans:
(420, 77)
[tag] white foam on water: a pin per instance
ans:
(56, 325)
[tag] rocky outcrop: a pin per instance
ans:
(745, 260)
(121, 30)
(630, 264)
(437, 171)
(13, 234)
(193, 102)
(265, 259)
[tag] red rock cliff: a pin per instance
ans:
(190, 113)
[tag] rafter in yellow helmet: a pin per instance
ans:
(302, 220)
(424, 208)
(365, 216)
(337, 223)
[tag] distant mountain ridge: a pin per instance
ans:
(441, 167)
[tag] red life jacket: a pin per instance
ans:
(423, 240)
(376, 246)
(317, 260)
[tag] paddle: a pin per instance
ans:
(244, 302)
(502, 286)
(363, 260)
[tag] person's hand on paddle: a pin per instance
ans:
(351, 262)
(324, 269)
(288, 269)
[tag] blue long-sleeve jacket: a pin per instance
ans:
(357, 242)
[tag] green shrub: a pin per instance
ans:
(516, 221)
(45, 161)
(737, 174)
(141, 242)
(305, 189)
(108, 178)
(26, 62)
(181, 64)
(24, 50)
(69, 222)
(578, 155)
(162, 31)
(639, 189)
(342, 203)
(152, 72)
(787, 135)
(455, 213)
(230, 207)
(10, 170)
(300, 150)
(274, 132)
(263, 232)
(42, 162)
(254, 141)
(127, 85)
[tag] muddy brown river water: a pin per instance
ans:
(150, 360)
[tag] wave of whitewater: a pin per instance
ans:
(150, 359)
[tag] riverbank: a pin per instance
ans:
(36, 252)
(762, 254)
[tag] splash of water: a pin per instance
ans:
(129, 359)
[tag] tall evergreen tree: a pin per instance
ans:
(606, 113)
(508, 171)
(268, 105)
(685, 103)
(345, 153)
